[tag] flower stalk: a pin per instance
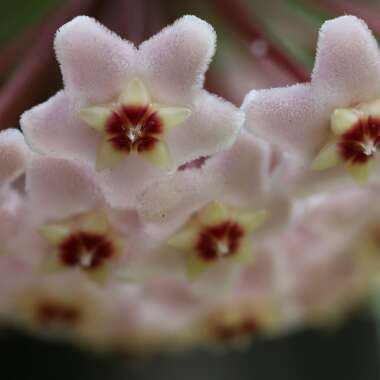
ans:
(241, 21)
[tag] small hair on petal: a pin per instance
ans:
(347, 65)
(96, 63)
(54, 128)
(59, 188)
(290, 117)
(213, 127)
(177, 58)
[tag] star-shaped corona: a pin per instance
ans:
(215, 233)
(86, 242)
(355, 141)
(133, 124)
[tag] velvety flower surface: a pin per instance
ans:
(138, 212)
(132, 113)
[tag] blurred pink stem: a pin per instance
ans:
(239, 19)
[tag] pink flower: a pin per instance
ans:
(334, 119)
(77, 230)
(133, 113)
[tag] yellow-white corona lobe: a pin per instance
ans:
(96, 116)
(173, 116)
(327, 158)
(343, 119)
(54, 234)
(133, 125)
(135, 94)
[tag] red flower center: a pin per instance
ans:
(361, 142)
(52, 312)
(86, 250)
(218, 241)
(134, 128)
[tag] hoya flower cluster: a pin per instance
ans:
(139, 211)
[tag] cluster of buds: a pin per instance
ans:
(139, 211)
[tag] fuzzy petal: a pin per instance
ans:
(347, 66)
(291, 117)
(169, 202)
(54, 128)
(60, 188)
(124, 182)
(176, 59)
(237, 176)
(13, 155)
(212, 127)
(96, 64)
(240, 174)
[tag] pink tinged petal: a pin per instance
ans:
(293, 118)
(96, 64)
(108, 156)
(54, 128)
(241, 173)
(175, 60)
(59, 188)
(237, 176)
(135, 94)
(96, 116)
(13, 155)
(347, 65)
(213, 126)
(361, 172)
(126, 181)
(169, 202)
(327, 158)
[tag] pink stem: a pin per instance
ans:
(37, 70)
(10, 54)
(238, 17)
(339, 7)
